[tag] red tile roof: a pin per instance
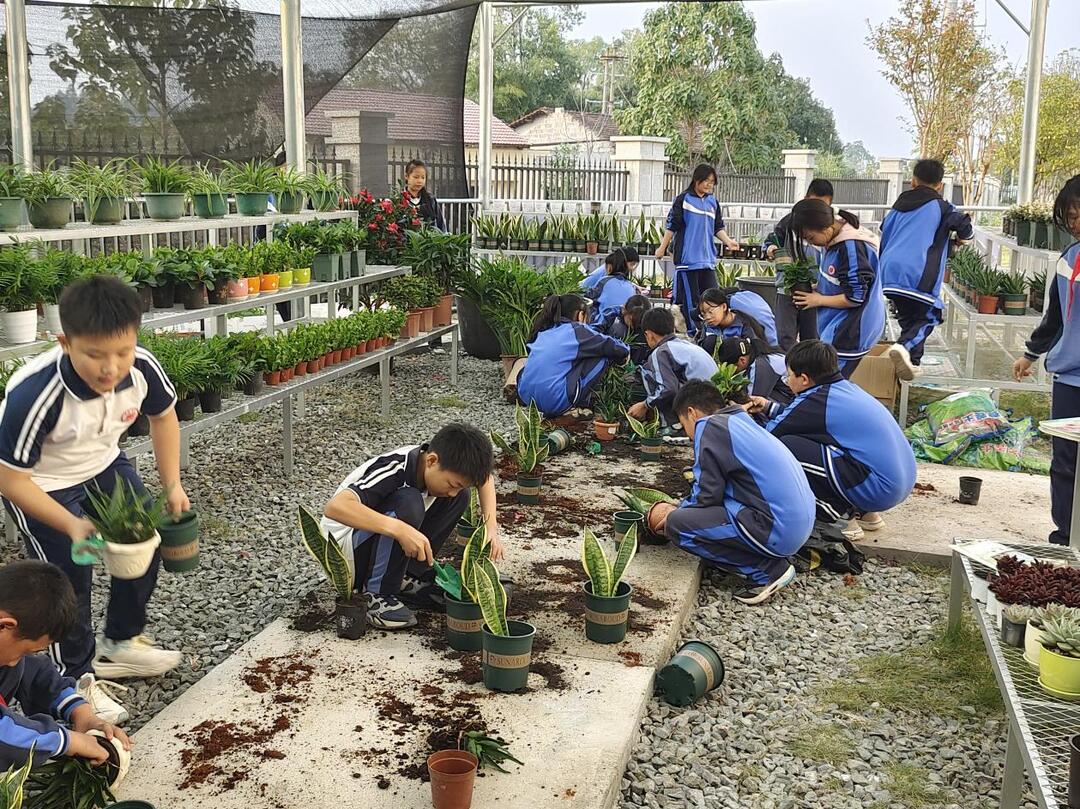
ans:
(416, 118)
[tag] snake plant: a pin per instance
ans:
(328, 554)
(644, 429)
(531, 449)
(12, 784)
(462, 586)
(641, 500)
(491, 597)
(605, 575)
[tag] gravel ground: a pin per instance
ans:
(774, 737)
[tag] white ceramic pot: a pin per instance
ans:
(130, 561)
(52, 318)
(19, 327)
(1032, 646)
(979, 589)
(123, 758)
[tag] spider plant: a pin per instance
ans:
(161, 177)
(106, 185)
(253, 177)
(326, 189)
(125, 516)
(13, 181)
(45, 184)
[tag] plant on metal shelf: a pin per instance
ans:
(103, 189)
(326, 189)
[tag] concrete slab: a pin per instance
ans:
(1012, 505)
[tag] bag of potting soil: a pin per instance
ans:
(945, 454)
(1011, 452)
(968, 413)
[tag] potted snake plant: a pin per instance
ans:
(530, 451)
(607, 596)
(464, 619)
(506, 645)
(648, 433)
(350, 611)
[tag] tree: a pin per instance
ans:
(811, 121)
(702, 82)
(853, 160)
(940, 65)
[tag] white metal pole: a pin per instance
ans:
(292, 77)
(18, 84)
(1036, 47)
(487, 91)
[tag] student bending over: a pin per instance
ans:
(722, 316)
(611, 293)
(763, 364)
(630, 256)
(671, 364)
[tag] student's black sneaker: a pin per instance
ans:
(386, 612)
(422, 595)
(760, 593)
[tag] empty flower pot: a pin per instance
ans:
(210, 206)
(650, 449)
(606, 617)
(970, 488)
(622, 521)
(528, 488)
(452, 774)
(350, 618)
(559, 440)
(695, 670)
(464, 625)
(462, 532)
(180, 543)
(506, 658)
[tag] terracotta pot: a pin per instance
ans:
(301, 369)
(272, 378)
(412, 324)
(238, 289)
(347, 354)
(605, 431)
(286, 374)
(427, 319)
(328, 359)
(453, 774)
(988, 304)
(361, 348)
(269, 282)
(444, 310)
(508, 361)
(254, 285)
(337, 356)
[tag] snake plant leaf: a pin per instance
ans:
(596, 564)
(327, 553)
(639, 499)
(627, 550)
(646, 429)
(486, 566)
(488, 590)
(476, 548)
(448, 579)
(498, 440)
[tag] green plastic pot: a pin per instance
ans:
(1024, 231)
(325, 267)
(11, 213)
(464, 625)
(324, 200)
(290, 202)
(528, 488)
(359, 263)
(301, 276)
(622, 520)
(53, 213)
(559, 440)
(695, 670)
(506, 659)
(210, 206)
(1041, 235)
(107, 211)
(252, 203)
(165, 206)
(606, 617)
(1014, 304)
(463, 531)
(180, 543)
(650, 449)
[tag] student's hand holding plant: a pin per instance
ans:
(807, 300)
(83, 720)
(638, 411)
(80, 529)
(82, 745)
(657, 516)
(757, 404)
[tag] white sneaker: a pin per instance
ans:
(901, 360)
(96, 693)
(853, 531)
(871, 521)
(137, 657)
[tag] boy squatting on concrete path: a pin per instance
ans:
(394, 511)
(60, 427)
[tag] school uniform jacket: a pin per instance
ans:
(866, 456)
(427, 207)
(695, 221)
(767, 375)
(915, 244)
(1058, 335)
(45, 698)
(595, 277)
(760, 485)
(850, 268)
(672, 363)
(565, 362)
(757, 307)
(780, 235)
(608, 298)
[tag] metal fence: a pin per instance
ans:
(859, 190)
(753, 188)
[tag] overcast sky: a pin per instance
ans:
(824, 41)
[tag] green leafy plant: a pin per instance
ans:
(7, 370)
(462, 586)
(23, 281)
(13, 181)
(184, 360)
(605, 575)
(320, 181)
(1062, 635)
(13, 781)
(1038, 282)
(728, 276)
(443, 257)
(253, 177)
(1013, 283)
(96, 184)
(69, 783)
(491, 597)
(802, 271)
(611, 395)
(490, 751)
(531, 448)
(288, 180)
(328, 554)
(986, 280)
(161, 177)
(205, 181)
(641, 499)
(125, 516)
(731, 382)
(45, 184)
(644, 429)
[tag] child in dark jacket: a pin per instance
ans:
(750, 507)
(37, 606)
(671, 364)
(427, 207)
(1058, 337)
(628, 328)
(914, 248)
(609, 295)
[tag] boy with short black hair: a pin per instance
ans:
(393, 513)
(914, 250)
(60, 427)
(37, 606)
(750, 507)
(857, 460)
(671, 364)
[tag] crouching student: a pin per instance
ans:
(857, 460)
(37, 607)
(395, 511)
(630, 256)
(733, 313)
(566, 358)
(611, 293)
(750, 507)
(762, 363)
(671, 364)
(628, 328)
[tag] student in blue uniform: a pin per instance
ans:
(750, 508)
(60, 427)
(671, 364)
(393, 513)
(762, 363)
(566, 357)
(857, 460)
(1058, 337)
(915, 240)
(693, 224)
(628, 328)
(611, 293)
(793, 324)
(38, 606)
(629, 254)
(734, 313)
(848, 300)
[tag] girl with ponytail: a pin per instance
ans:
(611, 293)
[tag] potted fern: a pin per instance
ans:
(127, 521)
(290, 190)
(23, 283)
(648, 433)
(208, 195)
(13, 189)
(530, 451)
(103, 189)
(506, 645)
(48, 198)
(252, 183)
(607, 596)
(325, 189)
(165, 187)
(350, 611)
(1013, 287)
(464, 620)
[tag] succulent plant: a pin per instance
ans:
(1062, 635)
(1040, 615)
(1018, 613)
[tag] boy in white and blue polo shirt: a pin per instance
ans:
(60, 427)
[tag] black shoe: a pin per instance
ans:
(422, 595)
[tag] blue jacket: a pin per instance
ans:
(767, 378)
(595, 277)
(695, 221)
(871, 461)
(915, 244)
(44, 697)
(1058, 335)
(850, 267)
(780, 235)
(755, 478)
(672, 363)
(564, 363)
(608, 298)
(758, 308)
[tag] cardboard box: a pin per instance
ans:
(877, 376)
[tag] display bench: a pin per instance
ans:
(1039, 724)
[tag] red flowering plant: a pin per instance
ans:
(387, 221)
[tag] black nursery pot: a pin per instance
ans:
(970, 488)
(350, 618)
(146, 297)
(164, 296)
(219, 294)
(1074, 771)
(139, 427)
(185, 408)
(254, 386)
(210, 401)
(193, 297)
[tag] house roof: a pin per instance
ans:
(601, 126)
(416, 117)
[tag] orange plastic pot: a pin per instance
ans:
(337, 356)
(453, 774)
(427, 318)
(605, 431)
(272, 378)
(988, 304)
(444, 311)
(301, 369)
(254, 285)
